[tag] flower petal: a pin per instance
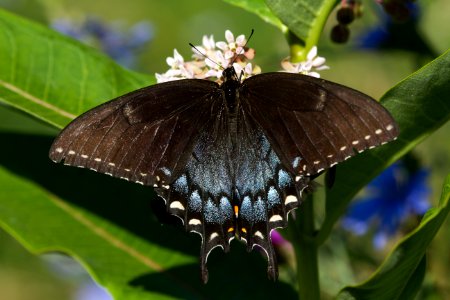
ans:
(177, 56)
(318, 61)
(248, 69)
(312, 53)
(229, 36)
(240, 40)
(313, 74)
(222, 46)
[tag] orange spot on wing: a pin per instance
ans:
(231, 229)
(244, 230)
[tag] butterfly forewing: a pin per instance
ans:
(313, 123)
(136, 136)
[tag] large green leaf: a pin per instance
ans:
(106, 224)
(55, 78)
(259, 8)
(400, 275)
(420, 105)
(305, 18)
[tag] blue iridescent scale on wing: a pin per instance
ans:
(234, 185)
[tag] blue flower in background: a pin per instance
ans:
(91, 291)
(392, 197)
(399, 10)
(122, 46)
(69, 269)
(392, 34)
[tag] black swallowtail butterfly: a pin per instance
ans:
(230, 160)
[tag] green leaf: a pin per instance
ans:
(402, 272)
(106, 224)
(53, 77)
(419, 105)
(415, 281)
(305, 18)
(259, 8)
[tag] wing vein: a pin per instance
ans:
(131, 144)
(137, 169)
(168, 142)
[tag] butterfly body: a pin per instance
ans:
(230, 160)
(230, 87)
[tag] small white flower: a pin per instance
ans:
(208, 42)
(207, 48)
(317, 62)
(213, 73)
(309, 67)
(215, 63)
(217, 60)
(178, 69)
(175, 61)
(232, 47)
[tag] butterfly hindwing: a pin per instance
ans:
(267, 191)
(234, 185)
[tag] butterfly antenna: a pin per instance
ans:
(205, 56)
(243, 48)
(249, 37)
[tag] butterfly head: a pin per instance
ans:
(230, 85)
(229, 74)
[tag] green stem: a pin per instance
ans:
(297, 47)
(306, 252)
(319, 22)
(300, 45)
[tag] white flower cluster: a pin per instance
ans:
(211, 58)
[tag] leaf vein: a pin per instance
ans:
(102, 233)
(35, 100)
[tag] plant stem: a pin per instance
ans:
(319, 22)
(306, 252)
(301, 44)
(297, 47)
